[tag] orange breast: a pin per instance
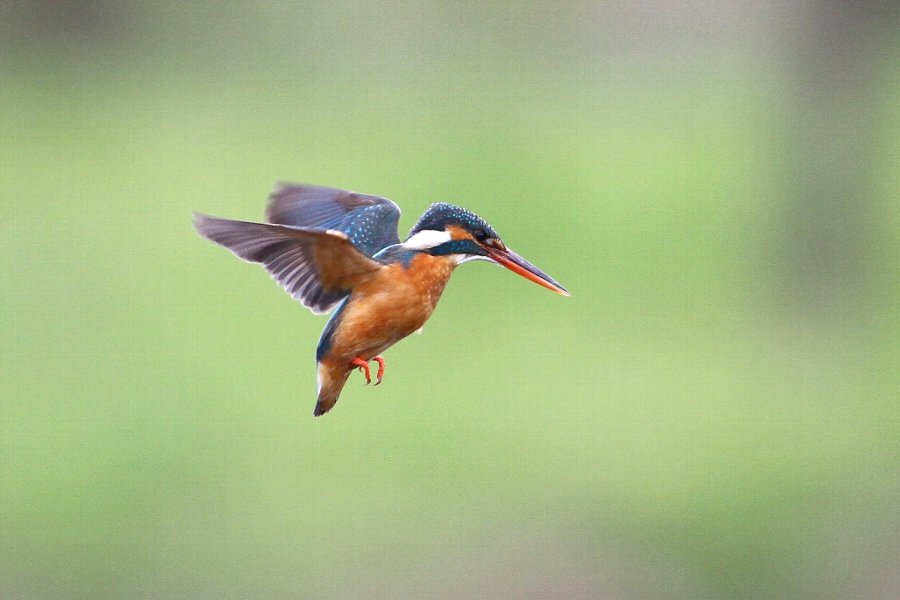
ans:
(389, 306)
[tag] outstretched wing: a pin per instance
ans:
(318, 267)
(370, 222)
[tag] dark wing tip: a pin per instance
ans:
(281, 186)
(287, 199)
(204, 224)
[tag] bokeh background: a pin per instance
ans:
(713, 413)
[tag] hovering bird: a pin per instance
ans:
(332, 249)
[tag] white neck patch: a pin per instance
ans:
(425, 239)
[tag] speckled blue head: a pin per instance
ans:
(440, 215)
(437, 233)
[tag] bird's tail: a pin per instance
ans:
(324, 404)
(331, 380)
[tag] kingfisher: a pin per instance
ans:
(335, 250)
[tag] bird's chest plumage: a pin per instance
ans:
(394, 303)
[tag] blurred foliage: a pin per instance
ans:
(712, 414)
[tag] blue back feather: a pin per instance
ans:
(369, 221)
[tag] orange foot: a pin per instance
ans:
(380, 360)
(363, 365)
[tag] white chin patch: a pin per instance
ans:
(425, 239)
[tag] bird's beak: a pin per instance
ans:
(517, 264)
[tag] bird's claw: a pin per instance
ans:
(363, 365)
(378, 376)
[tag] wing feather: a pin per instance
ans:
(318, 267)
(370, 222)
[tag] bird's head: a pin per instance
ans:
(448, 230)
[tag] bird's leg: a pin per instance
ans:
(363, 365)
(380, 360)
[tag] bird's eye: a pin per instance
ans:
(480, 235)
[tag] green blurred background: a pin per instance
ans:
(712, 414)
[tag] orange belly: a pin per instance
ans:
(391, 305)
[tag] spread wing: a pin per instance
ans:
(318, 267)
(370, 222)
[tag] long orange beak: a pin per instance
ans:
(517, 264)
